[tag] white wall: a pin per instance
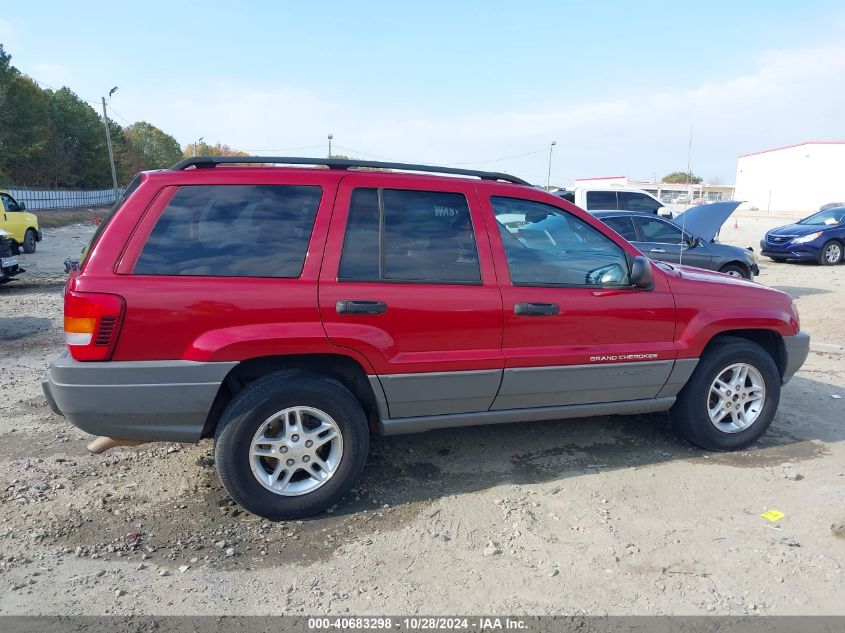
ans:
(799, 178)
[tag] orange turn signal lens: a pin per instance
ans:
(80, 325)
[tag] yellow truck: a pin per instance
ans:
(21, 225)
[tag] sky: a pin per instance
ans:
(483, 85)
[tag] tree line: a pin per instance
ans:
(54, 139)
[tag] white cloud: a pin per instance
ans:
(792, 95)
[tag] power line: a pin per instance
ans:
(119, 115)
(54, 89)
(279, 149)
(476, 162)
(497, 160)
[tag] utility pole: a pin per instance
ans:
(331, 136)
(549, 173)
(108, 142)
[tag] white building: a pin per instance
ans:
(797, 178)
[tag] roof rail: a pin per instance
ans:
(204, 162)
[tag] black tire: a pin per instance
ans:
(29, 241)
(689, 414)
(831, 253)
(256, 403)
(737, 270)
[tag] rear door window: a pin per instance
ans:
(622, 225)
(232, 231)
(409, 236)
(602, 201)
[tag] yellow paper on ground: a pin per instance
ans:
(773, 515)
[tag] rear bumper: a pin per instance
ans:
(796, 349)
(135, 400)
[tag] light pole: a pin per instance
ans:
(549, 174)
(197, 145)
(689, 164)
(331, 136)
(108, 142)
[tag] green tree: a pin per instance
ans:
(150, 148)
(77, 154)
(23, 117)
(682, 177)
(204, 149)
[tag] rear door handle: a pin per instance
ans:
(536, 309)
(361, 307)
(657, 250)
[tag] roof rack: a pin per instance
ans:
(205, 162)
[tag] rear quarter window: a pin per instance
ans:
(232, 231)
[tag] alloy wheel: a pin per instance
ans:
(296, 451)
(736, 398)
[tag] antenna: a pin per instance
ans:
(684, 214)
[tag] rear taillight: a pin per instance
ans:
(92, 324)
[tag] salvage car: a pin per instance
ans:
(9, 251)
(817, 238)
(288, 312)
(694, 245)
(22, 225)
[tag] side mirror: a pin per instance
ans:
(641, 275)
(22, 206)
(693, 241)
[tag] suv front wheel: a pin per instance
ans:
(290, 445)
(29, 241)
(731, 398)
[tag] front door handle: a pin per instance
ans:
(657, 250)
(536, 309)
(361, 307)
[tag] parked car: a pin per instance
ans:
(819, 237)
(22, 226)
(288, 312)
(665, 241)
(614, 199)
(9, 251)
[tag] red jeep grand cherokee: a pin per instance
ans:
(288, 311)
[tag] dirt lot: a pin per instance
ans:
(606, 515)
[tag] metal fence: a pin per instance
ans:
(63, 198)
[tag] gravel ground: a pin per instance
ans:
(609, 515)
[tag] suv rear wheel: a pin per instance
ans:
(291, 445)
(731, 398)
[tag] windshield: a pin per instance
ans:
(827, 217)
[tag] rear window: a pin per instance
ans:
(232, 231)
